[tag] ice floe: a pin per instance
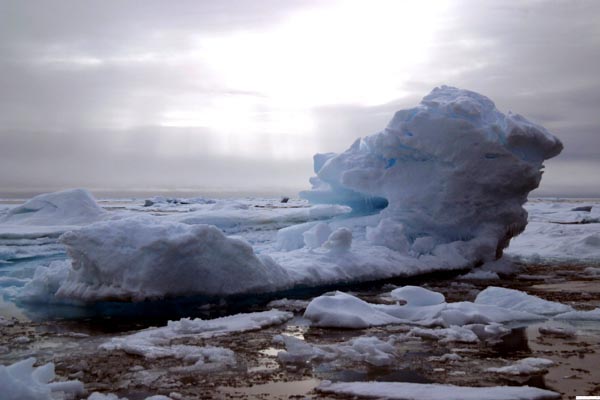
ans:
(144, 258)
(156, 342)
(461, 321)
(367, 349)
(23, 381)
(525, 366)
(432, 391)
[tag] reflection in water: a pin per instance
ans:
(512, 343)
(372, 374)
(272, 389)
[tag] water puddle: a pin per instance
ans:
(271, 390)
(570, 286)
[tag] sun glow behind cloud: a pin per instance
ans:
(343, 53)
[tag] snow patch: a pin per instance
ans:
(432, 391)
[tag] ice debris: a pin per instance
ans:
(526, 366)
(156, 342)
(367, 349)
(23, 381)
(493, 306)
(432, 391)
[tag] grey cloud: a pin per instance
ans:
(540, 59)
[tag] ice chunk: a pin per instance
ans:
(453, 168)
(317, 235)
(553, 242)
(433, 391)
(147, 341)
(22, 381)
(516, 300)
(102, 396)
(452, 334)
(424, 307)
(368, 349)
(590, 315)
(526, 366)
(69, 207)
(144, 258)
(292, 237)
(418, 296)
(341, 310)
(45, 283)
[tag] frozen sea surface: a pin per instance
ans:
(555, 234)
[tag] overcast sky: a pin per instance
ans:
(240, 94)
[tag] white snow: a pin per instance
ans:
(45, 283)
(363, 349)
(156, 342)
(554, 330)
(512, 299)
(317, 235)
(454, 173)
(432, 391)
(454, 168)
(526, 366)
(462, 321)
(141, 258)
(558, 234)
(590, 315)
(23, 381)
(418, 296)
(68, 207)
(341, 310)
(445, 335)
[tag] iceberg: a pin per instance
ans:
(51, 214)
(454, 168)
(442, 187)
(68, 207)
(144, 258)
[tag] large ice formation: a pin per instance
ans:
(144, 258)
(454, 168)
(441, 187)
(68, 207)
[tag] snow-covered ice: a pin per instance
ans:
(454, 168)
(341, 310)
(492, 306)
(156, 342)
(525, 366)
(367, 349)
(431, 391)
(512, 299)
(144, 258)
(23, 381)
(452, 173)
(69, 207)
